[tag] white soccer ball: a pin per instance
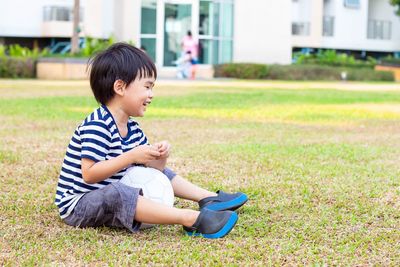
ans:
(155, 185)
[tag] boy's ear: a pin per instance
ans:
(119, 87)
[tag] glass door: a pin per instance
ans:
(177, 22)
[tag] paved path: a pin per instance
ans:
(226, 83)
(360, 86)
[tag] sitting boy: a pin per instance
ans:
(108, 142)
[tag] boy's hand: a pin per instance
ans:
(143, 154)
(164, 148)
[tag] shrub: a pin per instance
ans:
(369, 75)
(16, 50)
(93, 45)
(299, 72)
(2, 50)
(241, 71)
(331, 58)
(303, 72)
(16, 67)
(390, 61)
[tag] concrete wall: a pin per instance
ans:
(311, 11)
(127, 20)
(262, 31)
(382, 10)
(62, 69)
(98, 21)
(19, 18)
(351, 25)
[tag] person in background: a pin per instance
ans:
(190, 46)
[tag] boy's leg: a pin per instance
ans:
(148, 211)
(185, 189)
(208, 223)
(206, 199)
(119, 205)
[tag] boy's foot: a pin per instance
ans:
(212, 224)
(224, 201)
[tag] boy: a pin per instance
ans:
(108, 141)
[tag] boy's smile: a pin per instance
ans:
(146, 103)
(138, 95)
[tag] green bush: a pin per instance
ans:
(2, 50)
(303, 72)
(390, 61)
(331, 58)
(369, 75)
(16, 50)
(17, 67)
(19, 62)
(241, 71)
(93, 45)
(299, 72)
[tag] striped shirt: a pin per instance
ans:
(96, 138)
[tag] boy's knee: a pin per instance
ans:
(169, 173)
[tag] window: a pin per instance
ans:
(149, 17)
(148, 27)
(301, 28)
(379, 29)
(352, 3)
(215, 31)
(328, 25)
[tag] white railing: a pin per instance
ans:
(60, 13)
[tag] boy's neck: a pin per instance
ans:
(119, 115)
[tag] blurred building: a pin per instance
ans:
(361, 27)
(263, 31)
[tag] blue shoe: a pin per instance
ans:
(212, 224)
(224, 201)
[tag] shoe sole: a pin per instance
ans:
(222, 232)
(228, 205)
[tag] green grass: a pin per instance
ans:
(321, 168)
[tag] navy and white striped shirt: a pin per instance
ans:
(96, 138)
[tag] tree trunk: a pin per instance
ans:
(75, 30)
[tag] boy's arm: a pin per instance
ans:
(94, 172)
(160, 163)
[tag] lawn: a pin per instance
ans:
(319, 161)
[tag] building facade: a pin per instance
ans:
(360, 26)
(259, 31)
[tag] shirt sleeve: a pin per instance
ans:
(139, 136)
(95, 139)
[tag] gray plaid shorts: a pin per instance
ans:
(113, 205)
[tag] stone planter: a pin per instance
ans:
(62, 68)
(390, 67)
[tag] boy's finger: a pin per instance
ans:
(155, 153)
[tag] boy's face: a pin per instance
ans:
(138, 94)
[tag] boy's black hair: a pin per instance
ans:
(120, 61)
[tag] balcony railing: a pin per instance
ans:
(301, 28)
(60, 13)
(328, 25)
(379, 29)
